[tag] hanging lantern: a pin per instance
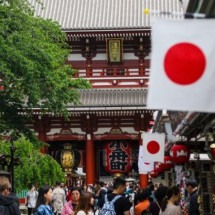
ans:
(67, 158)
(153, 174)
(167, 163)
(117, 157)
(158, 167)
(180, 154)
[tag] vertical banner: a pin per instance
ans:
(143, 166)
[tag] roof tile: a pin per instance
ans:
(104, 14)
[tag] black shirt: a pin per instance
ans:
(121, 205)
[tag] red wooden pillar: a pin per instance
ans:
(142, 177)
(90, 160)
(143, 180)
(41, 128)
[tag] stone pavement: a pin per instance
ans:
(23, 209)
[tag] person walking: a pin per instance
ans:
(43, 204)
(8, 204)
(70, 206)
(85, 204)
(31, 199)
(143, 201)
(169, 203)
(101, 194)
(59, 199)
(121, 204)
(160, 193)
(192, 189)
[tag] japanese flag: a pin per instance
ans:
(153, 147)
(144, 166)
(182, 73)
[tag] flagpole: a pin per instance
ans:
(174, 13)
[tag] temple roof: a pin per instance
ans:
(105, 100)
(135, 97)
(79, 15)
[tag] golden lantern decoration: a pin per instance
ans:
(67, 158)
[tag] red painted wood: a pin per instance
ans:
(90, 162)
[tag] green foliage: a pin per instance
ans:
(33, 73)
(34, 166)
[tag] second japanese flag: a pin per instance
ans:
(182, 65)
(153, 147)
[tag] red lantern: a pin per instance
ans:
(180, 154)
(154, 174)
(117, 157)
(158, 167)
(167, 163)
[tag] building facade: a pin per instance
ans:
(110, 47)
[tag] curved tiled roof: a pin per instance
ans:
(113, 97)
(105, 14)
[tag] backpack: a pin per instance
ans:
(108, 207)
(4, 210)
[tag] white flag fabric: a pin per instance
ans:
(153, 147)
(182, 65)
(144, 167)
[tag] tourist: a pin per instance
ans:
(7, 202)
(59, 199)
(31, 199)
(192, 189)
(169, 203)
(70, 206)
(85, 204)
(43, 204)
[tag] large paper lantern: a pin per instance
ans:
(167, 163)
(68, 158)
(180, 154)
(117, 157)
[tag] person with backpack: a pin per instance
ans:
(115, 203)
(8, 204)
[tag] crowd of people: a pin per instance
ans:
(117, 197)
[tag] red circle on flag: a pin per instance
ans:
(184, 63)
(153, 147)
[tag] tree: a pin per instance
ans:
(33, 73)
(34, 167)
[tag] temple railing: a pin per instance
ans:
(115, 76)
